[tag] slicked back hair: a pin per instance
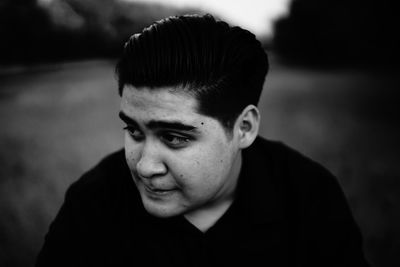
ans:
(223, 67)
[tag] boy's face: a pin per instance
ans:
(182, 162)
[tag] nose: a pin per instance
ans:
(150, 163)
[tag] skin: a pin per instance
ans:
(182, 162)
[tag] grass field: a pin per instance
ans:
(57, 121)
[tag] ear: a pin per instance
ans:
(247, 126)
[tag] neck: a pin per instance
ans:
(206, 216)
(205, 219)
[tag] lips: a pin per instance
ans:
(158, 190)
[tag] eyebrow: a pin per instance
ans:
(156, 124)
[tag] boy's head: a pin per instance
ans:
(189, 87)
(222, 67)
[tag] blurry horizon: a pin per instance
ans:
(304, 32)
(260, 22)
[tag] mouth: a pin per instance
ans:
(158, 191)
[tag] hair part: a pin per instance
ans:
(223, 67)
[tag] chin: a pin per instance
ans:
(161, 213)
(160, 210)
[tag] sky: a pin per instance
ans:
(254, 15)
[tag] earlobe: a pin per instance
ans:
(248, 125)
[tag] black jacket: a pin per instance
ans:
(289, 211)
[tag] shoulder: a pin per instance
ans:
(281, 159)
(305, 200)
(110, 170)
(105, 186)
(94, 213)
(304, 182)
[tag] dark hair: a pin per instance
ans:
(223, 67)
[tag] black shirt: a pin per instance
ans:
(288, 211)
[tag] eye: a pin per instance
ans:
(134, 133)
(175, 140)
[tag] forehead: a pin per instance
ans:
(160, 102)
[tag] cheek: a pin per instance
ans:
(131, 152)
(202, 169)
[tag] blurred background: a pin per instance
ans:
(332, 93)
